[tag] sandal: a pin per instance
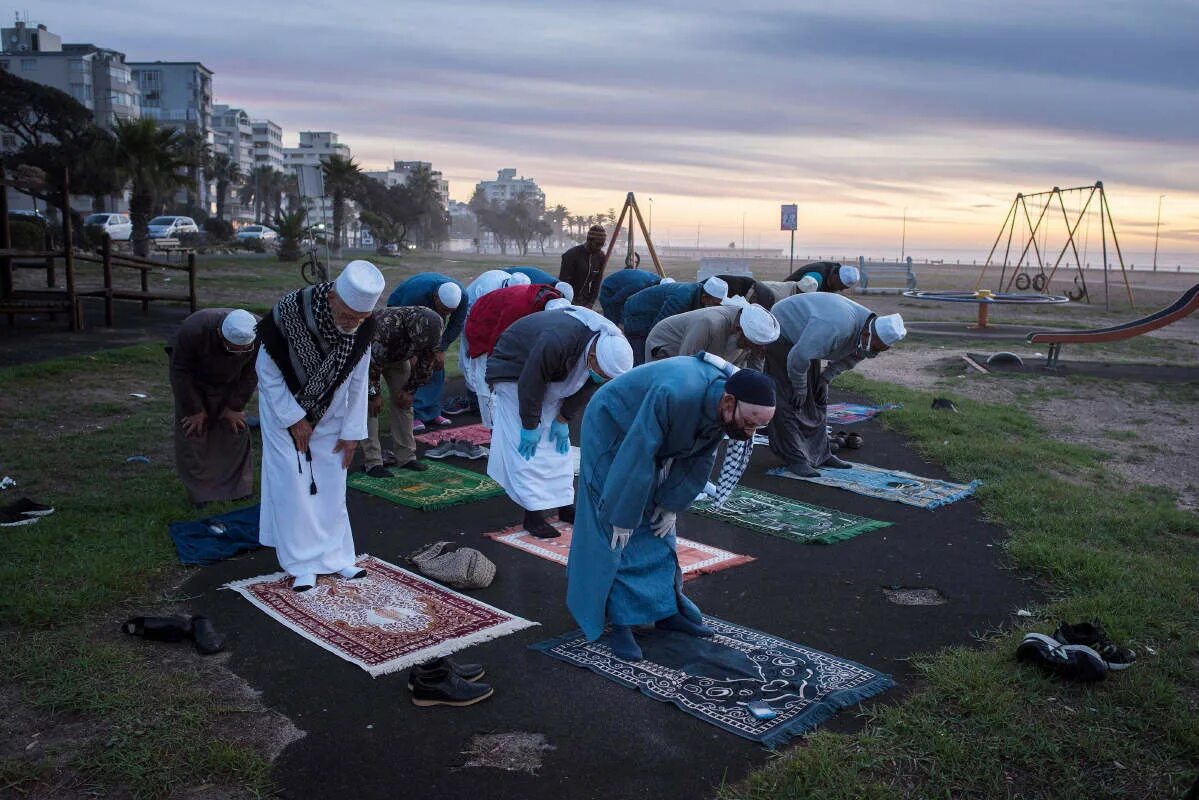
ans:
(854, 441)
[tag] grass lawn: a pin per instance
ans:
(983, 725)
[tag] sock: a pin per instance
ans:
(622, 644)
(683, 625)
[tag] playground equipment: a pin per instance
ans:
(1184, 306)
(986, 298)
(1035, 236)
(630, 204)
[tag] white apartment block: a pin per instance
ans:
(97, 77)
(234, 126)
(507, 187)
(305, 161)
(179, 95)
(398, 176)
(268, 144)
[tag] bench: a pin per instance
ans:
(168, 246)
(897, 275)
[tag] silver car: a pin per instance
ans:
(118, 226)
(170, 227)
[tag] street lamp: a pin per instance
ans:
(1157, 230)
(903, 242)
(651, 216)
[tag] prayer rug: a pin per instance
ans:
(888, 484)
(695, 559)
(475, 434)
(715, 679)
(213, 539)
(784, 517)
(384, 622)
(849, 413)
(440, 486)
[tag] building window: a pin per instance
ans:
(28, 65)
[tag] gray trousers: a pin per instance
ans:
(797, 431)
(402, 437)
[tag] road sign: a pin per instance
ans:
(790, 218)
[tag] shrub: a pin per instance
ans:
(193, 241)
(218, 230)
(27, 234)
(253, 245)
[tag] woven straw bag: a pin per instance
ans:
(464, 568)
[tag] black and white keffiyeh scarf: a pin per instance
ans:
(313, 355)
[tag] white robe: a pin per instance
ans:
(547, 480)
(310, 532)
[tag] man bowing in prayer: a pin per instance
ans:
(444, 295)
(212, 377)
(312, 381)
(650, 306)
(817, 327)
(543, 369)
(738, 333)
(649, 440)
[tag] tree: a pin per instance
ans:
(490, 218)
(54, 132)
(290, 227)
(151, 161)
(557, 217)
(226, 172)
(343, 179)
(197, 156)
(523, 220)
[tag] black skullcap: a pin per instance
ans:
(596, 230)
(751, 386)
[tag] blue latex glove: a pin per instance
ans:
(560, 433)
(528, 442)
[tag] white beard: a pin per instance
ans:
(347, 332)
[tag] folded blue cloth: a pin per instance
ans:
(213, 539)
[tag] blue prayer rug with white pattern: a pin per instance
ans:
(716, 679)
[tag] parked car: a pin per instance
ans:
(260, 232)
(118, 226)
(170, 227)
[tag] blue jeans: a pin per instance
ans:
(426, 401)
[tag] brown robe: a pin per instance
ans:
(218, 465)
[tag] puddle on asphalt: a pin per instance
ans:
(905, 596)
(514, 752)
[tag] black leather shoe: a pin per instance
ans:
(467, 672)
(836, 463)
(415, 466)
(378, 471)
(442, 687)
(159, 629)
(567, 514)
(205, 636)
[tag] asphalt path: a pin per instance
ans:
(366, 740)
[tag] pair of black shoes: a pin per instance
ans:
(175, 629)
(537, 525)
(23, 512)
(446, 682)
(1080, 652)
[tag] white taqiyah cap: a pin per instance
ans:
(735, 300)
(614, 354)
(716, 287)
(849, 275)
(359, 286)
(518, 279)
(666, 280)
(450, 294)
(238, 327)
(556, 303)
(758, 324)
(890, 329)
(567, 290)
(808, 284)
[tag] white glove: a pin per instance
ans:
(620, 537)
(662, 522)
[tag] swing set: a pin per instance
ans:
(1018, 226)
(631, 210)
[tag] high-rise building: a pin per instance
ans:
(179, 95)
(507, 187)
(268, 144)
(305, 161)
(398, 176)
(97, 77)
(234, 123)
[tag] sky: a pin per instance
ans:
(862, 113)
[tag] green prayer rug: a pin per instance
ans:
(440, 486)
(785, 518)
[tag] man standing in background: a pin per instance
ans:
(583, 267)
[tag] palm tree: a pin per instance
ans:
(197, 155)
(341, 183)
(290, 227)
(226, 172)
(151, 161)
(556, 216)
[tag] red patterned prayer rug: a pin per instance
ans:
(387, 621)
(475, 434)
(695, 559)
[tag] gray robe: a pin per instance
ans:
(814, 327)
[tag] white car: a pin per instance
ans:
(117, 226)
(170, 227)
(260, 232)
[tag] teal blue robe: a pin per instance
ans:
(658, 418)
